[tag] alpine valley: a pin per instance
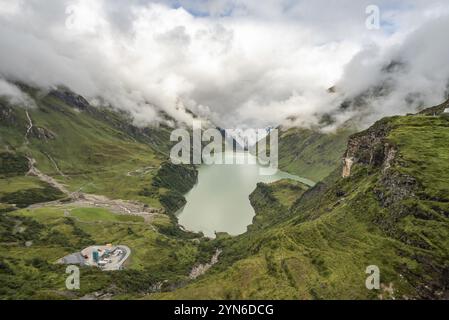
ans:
(74, 175)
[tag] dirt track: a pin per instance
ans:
(51, 181)
(89, 200)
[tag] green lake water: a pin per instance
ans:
(220, 200)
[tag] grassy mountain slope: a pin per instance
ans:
(88, 149)
(272, 201)
(32, 240)
(98, 151)
(310, 153)
(391, 212)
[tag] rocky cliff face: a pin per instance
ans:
(7, 115)
(401, 159)
(71, 98)
(42, 133)
(373, 149)
(369, 147)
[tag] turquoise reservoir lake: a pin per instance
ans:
(220, 200)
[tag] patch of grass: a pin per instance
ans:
(422, 142)
(15, 184)
(24, 191)
(288, 191)
(99, 214)
(12, 164)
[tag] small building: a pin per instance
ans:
(95, 256)
(107, 258)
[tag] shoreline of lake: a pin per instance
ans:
(219, 202)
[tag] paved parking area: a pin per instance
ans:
(110, 257)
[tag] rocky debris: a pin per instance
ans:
(390, 155)
(7, 115)
(432, 283)
(348, 162)
(142, 171)
(84, 200)
(42, 133)
(391, 190)
(37, 132)
(97, 296)
(88, 200)
(370, 147)
(387, 292)
(43, 177)
(395, 187)
(203, 268)
(116, 206)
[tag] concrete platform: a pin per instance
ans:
(110, 257)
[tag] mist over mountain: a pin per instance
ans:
(90, 95)
(236, 63)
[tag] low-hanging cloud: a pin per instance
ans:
(239, 63)
(402, 78)
(14, 95)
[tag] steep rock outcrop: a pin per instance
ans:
(42, 133)
(7, 115)
(372, 148)
(71, 98)
(369, 147)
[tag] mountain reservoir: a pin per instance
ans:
(219, 202)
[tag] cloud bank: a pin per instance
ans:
(14, 95)
(239, 63)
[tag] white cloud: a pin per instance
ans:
(10, 7)
(242, 63)
(14, 95)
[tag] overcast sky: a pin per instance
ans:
(242, 63)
